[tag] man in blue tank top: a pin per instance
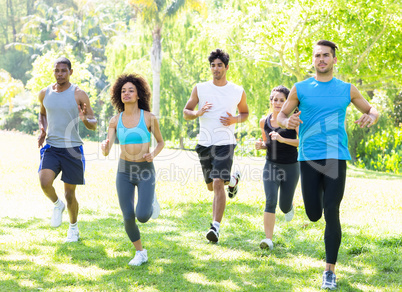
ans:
(323, 150)
(62, 106)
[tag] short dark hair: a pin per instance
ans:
(143, 91)
(219, 54)
(282, 89)
(63, 60)
(330, 44)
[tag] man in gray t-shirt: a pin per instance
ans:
(62, 106)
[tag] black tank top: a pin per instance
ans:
(276, 151)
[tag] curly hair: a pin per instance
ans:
(143, 91)
(282, 89)
(219, 54)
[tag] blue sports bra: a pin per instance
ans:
(136, 135)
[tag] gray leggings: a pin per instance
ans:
(283, 176)
(129, 175)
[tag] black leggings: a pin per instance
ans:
(129, 175)
(283, 177)
(323, 185)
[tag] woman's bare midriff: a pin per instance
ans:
(134, 152)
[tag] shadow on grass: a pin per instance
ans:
(181, 259)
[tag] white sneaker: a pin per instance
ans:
(328, 280)
(72, 235)
(156, 208)
(267, 243)
(57, 216)
(141, 257)
(232, 191)
(289, 215)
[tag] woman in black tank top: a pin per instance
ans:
(281, 170)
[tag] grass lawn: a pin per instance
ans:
(33, 256)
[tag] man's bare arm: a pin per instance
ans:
(292, 122)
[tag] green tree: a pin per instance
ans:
(42, 72)
(154, 14)
(9, 88)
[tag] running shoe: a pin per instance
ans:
(57, 216)
(156, 208)
(328, 280)
(267, 243)
(141, 257)
(232, 191)
(289, 215)
(73, 235)
(212, 234)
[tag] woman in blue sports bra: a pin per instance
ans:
(133, 126)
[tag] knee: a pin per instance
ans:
(218, 184)
(270, 206)
(70, 196)
(313, 216)
(45, 184)
(143, 217)
(143, 214)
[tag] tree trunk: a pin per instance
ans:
(156, 62)
(11, 19)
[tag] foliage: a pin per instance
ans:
(9, 88)
(382, 151)
(25, 120)
(42, 72)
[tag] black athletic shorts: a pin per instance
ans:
(70, 161)
(216, 161)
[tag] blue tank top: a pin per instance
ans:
(136, 135)
(323, 110)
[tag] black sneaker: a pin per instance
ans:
(232, 191)
(328, 280)
(212, 234)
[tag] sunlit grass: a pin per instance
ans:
(33, 256)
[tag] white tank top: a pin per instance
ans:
(223, 99)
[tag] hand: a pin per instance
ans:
(259, 144)
(294, 121)
(105, 147)
(205, 108)
(365, 120)
(275, 136)
(149, 157)
(227, 121)
(82, 112)
(41, 137)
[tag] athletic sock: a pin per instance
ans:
(217, 225)
(74, 226)
(233, 181)
(57, 203)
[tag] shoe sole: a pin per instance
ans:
(211, 236)
(263, 245)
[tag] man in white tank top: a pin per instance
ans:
(62, 106)
(217, 102)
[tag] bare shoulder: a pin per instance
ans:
(80, 92)
(42, 94)
(148, 116)
(354, 92)
(113, 121)
(262, 121)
